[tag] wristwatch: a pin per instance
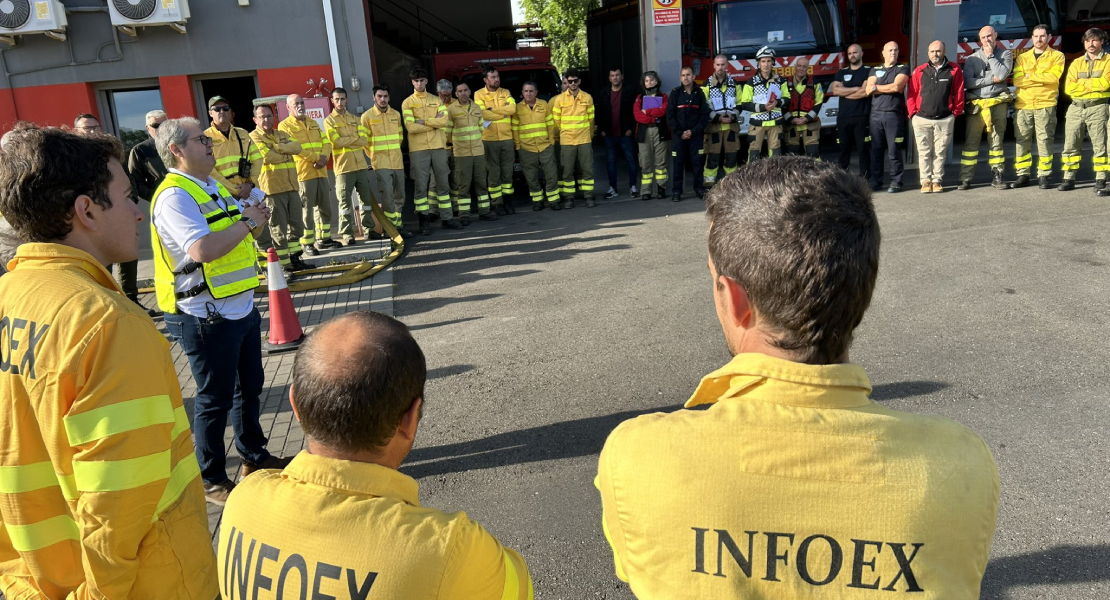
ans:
(250, 223)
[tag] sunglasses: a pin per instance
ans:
(224, 108)
(574, 80)
(154, 125)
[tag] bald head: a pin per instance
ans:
(890, 53)
(936, 53)
(295, 104)
(987, 38)
(354, 378)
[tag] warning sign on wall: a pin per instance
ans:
(666, 12)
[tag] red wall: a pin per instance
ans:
(47, 104)
(291, 80)
(178, 99)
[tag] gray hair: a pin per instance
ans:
(444, 86)
(154, 114)
(173, 132)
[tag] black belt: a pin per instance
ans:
(1081, 103)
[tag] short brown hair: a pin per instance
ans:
(1093, 33)
(356, 403)
(802, 238)
(44, 171)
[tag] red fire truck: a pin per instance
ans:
(739, 28)
(873, 23)
(515, 66)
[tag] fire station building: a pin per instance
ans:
(119, 59)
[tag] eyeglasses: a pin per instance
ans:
(203, 139)
(573, 80)
(155, 125)
(224, 108)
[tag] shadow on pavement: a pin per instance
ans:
(1059, 565)
(438, 372)
(443, 323)
(568, 439)
(905, 389)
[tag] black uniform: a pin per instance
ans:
(687, 111)
(853, 121)
(888, 126)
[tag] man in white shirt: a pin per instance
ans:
(204, 280)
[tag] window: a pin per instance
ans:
(870, 19)
(798, 25)
(128, 110)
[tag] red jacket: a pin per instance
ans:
(914, 100)
(651, 116)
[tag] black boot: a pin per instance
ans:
(996, 180)
(423, 220)
(1045, 183)
(753, 155)
(509, 210)
(1022, 181)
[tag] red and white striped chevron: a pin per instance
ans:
(1016, 46)
(820, 63)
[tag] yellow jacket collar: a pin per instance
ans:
(60, 256)
(762, 377)
(351, 476)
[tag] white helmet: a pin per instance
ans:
(765, 51)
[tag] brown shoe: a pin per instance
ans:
(273, 462)
(927, 187)
(217, 493)
(937, 187)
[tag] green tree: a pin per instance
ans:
(564, 21)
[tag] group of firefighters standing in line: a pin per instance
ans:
(873, 108)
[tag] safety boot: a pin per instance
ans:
(996, 180)
(1066, 185)
(1022, 181)
(451, 224)
(500, 209)
(1100, 184)
(487, 216)
(1045, 183)
(553, 205)
(568, 204)
(753, 155)
(509, 210)
(423, 221)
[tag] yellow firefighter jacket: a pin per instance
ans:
(227, 150)
(385, 133)
(313, 144)
(279, 173)
(533, 128)
(430, 135)
(498, 108)
(795, 484)
(100, 492)
(464, 124)
(574, 118)
(348, 142)
(416, 552)
(1089, 79)
(1037, 79)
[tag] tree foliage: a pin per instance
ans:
(564, 21)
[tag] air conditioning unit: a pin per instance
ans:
(21, 17)
(129, 15)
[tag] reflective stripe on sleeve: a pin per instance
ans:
(118, 475)
(186, 470)
(120, 417)
(35, 536)
(515, 588)
(180, 422)
(27, 478)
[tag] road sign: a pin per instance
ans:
(666, 12)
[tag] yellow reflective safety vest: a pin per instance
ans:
(533, 127)
(416, 552)
(100, 491)
(227, 150)
(795, 484)
(279, 173)
(1089, 79)
(1037, 78)
(348, 141)
(233, 273)
(430, 135)
(498, 108)
(574, 118)
(385, 133)
(464, 124)
(313, 143)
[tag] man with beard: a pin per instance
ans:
(935, 99)
(1037, 79)
(803, 100)
(852, 119)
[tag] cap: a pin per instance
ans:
(214, 99)
(765, 51)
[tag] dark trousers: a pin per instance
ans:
(888, 134)
(628, 144)
(128, 277)
(683, 153)
(854, 133)
(226, 361)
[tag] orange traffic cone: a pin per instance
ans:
(285, 328)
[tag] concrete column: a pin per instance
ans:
(932, 22)
(662, 46)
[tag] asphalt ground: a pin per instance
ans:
(545, 330)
